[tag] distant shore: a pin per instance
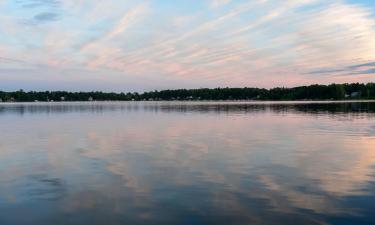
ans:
(332, 92)
(204, 101)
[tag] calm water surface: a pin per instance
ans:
(187, 163)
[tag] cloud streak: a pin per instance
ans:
(46, 17)
(220, 43)
(38, 3)
(365, 68)
(128, 19)
(218, 3)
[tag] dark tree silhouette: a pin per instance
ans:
(312, 92)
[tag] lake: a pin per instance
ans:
(114, 163)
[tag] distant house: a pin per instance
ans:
(62, 98)
(91, 99)
(355, 94)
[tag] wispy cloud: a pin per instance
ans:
(4, 59)
(218, 3)
(369, 64)
(365, 68)
(38, 3)
(42, 10)
(128, 19)
(46, 17)
(217, 42)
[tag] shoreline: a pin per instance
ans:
(204, 101)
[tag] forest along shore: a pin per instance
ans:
(313, 92)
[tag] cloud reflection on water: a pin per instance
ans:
(266, 167)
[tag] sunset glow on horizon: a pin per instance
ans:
(144, 45)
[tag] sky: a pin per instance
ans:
(141, 45)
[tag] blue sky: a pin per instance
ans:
(366, 3)
(141, 45)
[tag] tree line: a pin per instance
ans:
(311, 92)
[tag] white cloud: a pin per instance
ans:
(218, 3)
(128, 19)
(252, 43)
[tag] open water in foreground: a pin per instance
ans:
(116, 163)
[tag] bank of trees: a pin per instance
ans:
(312, 92)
